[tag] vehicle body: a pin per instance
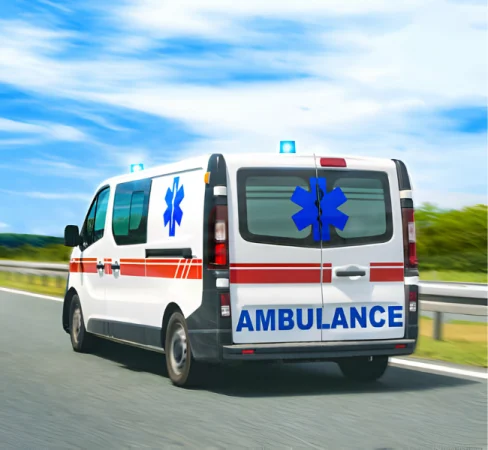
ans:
(245, 257)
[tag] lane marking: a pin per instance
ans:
(30, 294)
(397, 361)
(439, 368)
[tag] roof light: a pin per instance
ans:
(287, 147)
(136, 167)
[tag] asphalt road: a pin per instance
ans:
(51, 397)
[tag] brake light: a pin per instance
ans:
(413, 298)
(333, 162)
(218, 236)
(409, 238)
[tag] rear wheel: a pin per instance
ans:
(81, 340)
(183, 370)
(364, 369)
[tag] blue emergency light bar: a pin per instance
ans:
(136, 167)
(287, 147)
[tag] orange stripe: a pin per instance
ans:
(161, 271)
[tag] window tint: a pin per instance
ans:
(129, 221)
(266, 209)
(94, 226)
(136, 210)
(101, 214)
(365, 207)
(268, 205)
(87, 232)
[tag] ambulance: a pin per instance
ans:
(250, 257)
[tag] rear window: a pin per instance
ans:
(266, 209)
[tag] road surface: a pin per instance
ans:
(51, 397)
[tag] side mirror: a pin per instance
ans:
(72, 236)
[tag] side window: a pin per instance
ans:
(101, 214)
(129, 221)
(87, 231)
(94, 226)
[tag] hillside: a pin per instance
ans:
(11, 240)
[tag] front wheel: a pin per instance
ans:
(364, 369)
(182, 368)
(81, 340)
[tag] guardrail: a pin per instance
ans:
(438, 297)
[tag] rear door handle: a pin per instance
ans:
(115, 266)
(351, 273)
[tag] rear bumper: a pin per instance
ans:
(318, 350)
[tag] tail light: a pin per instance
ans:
(413, 298)
(409, 238)
(219, 242)
(225, 304)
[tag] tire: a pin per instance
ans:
(183, 370)
(81, 340)
(363, 369)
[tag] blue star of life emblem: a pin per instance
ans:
(319, 209)
(174, 213)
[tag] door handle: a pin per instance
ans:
(116, 266)
(100, 266)
(351, 273)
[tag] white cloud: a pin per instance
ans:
(3, 225)
(50, 195)
(50, 130)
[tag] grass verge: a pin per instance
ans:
(463, 342)
(38, 285)
(454, 276)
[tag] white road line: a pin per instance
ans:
(396, 361)
(438, 368)
(30, 294)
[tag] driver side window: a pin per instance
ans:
(94, 226)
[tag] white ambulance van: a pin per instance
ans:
(242, 257)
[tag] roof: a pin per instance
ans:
(267, 159)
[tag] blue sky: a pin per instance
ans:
(86, 88)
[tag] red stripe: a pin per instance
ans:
(327, 276)
(392, 264)
(160, 271)
(132, 270)
(162, 268)
(385, 275)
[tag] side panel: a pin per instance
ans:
(154, 271)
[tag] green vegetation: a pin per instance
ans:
(463, 343)
(38, 285)
(454, 276)
(454, 240)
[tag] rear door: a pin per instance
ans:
(275, 264)
(364, 295)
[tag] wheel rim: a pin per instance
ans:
(178, 349)
(76, 325)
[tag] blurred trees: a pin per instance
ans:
(452, 239)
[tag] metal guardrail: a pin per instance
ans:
(438, 297)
